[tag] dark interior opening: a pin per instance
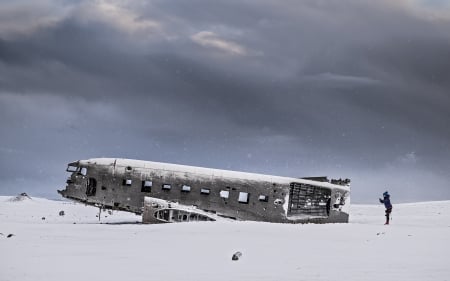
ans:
(91, 188)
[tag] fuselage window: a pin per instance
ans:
(224, 193)
(166, 186)
(205, 191)
(263, 198)
(146, 186)
(83, 171)
(72, 169)
(244, 197)
(185, 188)
(127, 182)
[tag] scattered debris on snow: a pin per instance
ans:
(236, 256)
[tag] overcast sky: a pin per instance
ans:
(352, 89)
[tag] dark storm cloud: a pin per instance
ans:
(355, 89)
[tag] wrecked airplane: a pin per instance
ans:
(164, 192)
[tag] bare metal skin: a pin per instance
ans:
(123, 184)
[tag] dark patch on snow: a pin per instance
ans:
(236, 256)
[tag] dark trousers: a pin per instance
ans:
(388, 213)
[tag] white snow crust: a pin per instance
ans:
(416, 246)
(205, 172)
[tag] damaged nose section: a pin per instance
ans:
(76, 182)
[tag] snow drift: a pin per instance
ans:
(416, 246)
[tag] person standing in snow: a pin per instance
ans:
(387, 204)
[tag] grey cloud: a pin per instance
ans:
(344, 88)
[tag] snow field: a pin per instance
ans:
(415, 247)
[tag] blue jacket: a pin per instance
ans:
(386, 201)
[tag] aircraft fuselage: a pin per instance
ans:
(124, 184)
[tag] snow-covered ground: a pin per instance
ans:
(76, 246)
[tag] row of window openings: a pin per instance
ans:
(244, 197)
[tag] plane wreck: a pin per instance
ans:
(163, 192)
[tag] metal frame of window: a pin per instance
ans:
(306, 199)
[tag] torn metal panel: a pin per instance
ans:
(162, 211)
